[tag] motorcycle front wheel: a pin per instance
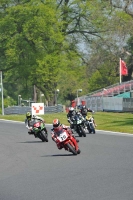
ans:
(92, 129)
(44, 136)
(79, 131)
(71, 149)
(83, 132)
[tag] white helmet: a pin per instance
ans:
(71, 109)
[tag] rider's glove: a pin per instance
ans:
(30, 128)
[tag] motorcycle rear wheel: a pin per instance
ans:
(71, 149)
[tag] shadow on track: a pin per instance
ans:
(32, 142)
(57, 155)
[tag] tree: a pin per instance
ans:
(30, 44)
(46, 43)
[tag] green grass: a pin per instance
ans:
(119, 122)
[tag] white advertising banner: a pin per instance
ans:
(37, 108)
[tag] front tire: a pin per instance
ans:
(83, 132)
(92, 128)
(79, 151)
(44, 136)
(79, 131)
(71, 149)
(40, 137)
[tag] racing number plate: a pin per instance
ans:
(62, 137)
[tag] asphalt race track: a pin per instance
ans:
(33, 170)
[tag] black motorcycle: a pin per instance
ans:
(78, 125)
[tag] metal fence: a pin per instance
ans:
(104, 100)
(114, 104)
(23, 109)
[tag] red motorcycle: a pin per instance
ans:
(67, 141)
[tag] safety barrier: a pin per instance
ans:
(23, 109)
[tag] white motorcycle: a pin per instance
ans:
(90, 124)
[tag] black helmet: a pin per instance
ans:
(28, 115)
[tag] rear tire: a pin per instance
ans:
(71, 149)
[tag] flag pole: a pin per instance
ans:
(2, 93)
(120, 70)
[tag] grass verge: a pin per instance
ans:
(118, 122)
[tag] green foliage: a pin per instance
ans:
(30, 41)
(41, 44)
(103, 77)
(71, 76)
(9, 102)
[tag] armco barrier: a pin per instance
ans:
(22, 110)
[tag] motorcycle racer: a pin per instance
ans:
(28, 122)
(86, 113)
(84, 110)
(57, 127)
(72, 112)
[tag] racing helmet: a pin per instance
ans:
(56, 123)
(71, 109)
(28, 116)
